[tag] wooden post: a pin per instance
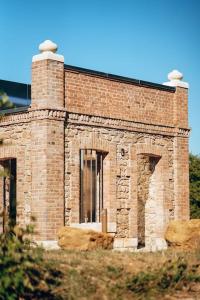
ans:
(104, 220)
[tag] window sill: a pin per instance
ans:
(93, 226)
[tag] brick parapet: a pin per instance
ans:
(107, 98)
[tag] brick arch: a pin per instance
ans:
(94, 142)
(7, 152)
(149, 149)
(154, 150)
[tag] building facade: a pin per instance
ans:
(95, 146)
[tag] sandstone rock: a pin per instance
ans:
(183, 234)
(195, 287)
(82, 239)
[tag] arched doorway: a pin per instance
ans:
(150, 208)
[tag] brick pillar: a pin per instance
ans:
(47, 134)
(181, 180)
(181, 152)
(47, 89)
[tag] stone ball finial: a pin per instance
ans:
(48, 46)
(175, 75)
(175, 79)
(48, 51)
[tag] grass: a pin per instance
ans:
(99, 275)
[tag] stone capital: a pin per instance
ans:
(175, 79)
(48, 51)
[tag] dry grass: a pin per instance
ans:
(101, 275)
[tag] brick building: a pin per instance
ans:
(93, 144)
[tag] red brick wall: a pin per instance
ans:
(89, 94)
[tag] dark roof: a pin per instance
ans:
(14, 110)
(19, 93)
(16, 89)
(121, 78)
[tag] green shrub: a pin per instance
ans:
(5, 103)
(23, 272)
(194, 186)
(175, 275)
(141, 283)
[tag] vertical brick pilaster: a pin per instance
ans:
(181, 180)
(181, 155)
(47, 134)
(181, 107)
(47, 89)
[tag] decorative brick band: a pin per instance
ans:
(126, 125)
(88, 120)
(48, 114)
(183, 132)
(33, 115)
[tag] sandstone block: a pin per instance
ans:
(82, 239)
(183, 234)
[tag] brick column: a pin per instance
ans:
(181, 152)
(47, 134)
(181, 180)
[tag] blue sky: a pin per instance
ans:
(143, 39)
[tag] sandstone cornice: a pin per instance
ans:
(88, 120)
(75, 118)
(184, 132)
(55, 114)
(31, 115)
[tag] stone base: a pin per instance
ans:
(48, 245)
(130, 244)
(123, 244)
(155, 244)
